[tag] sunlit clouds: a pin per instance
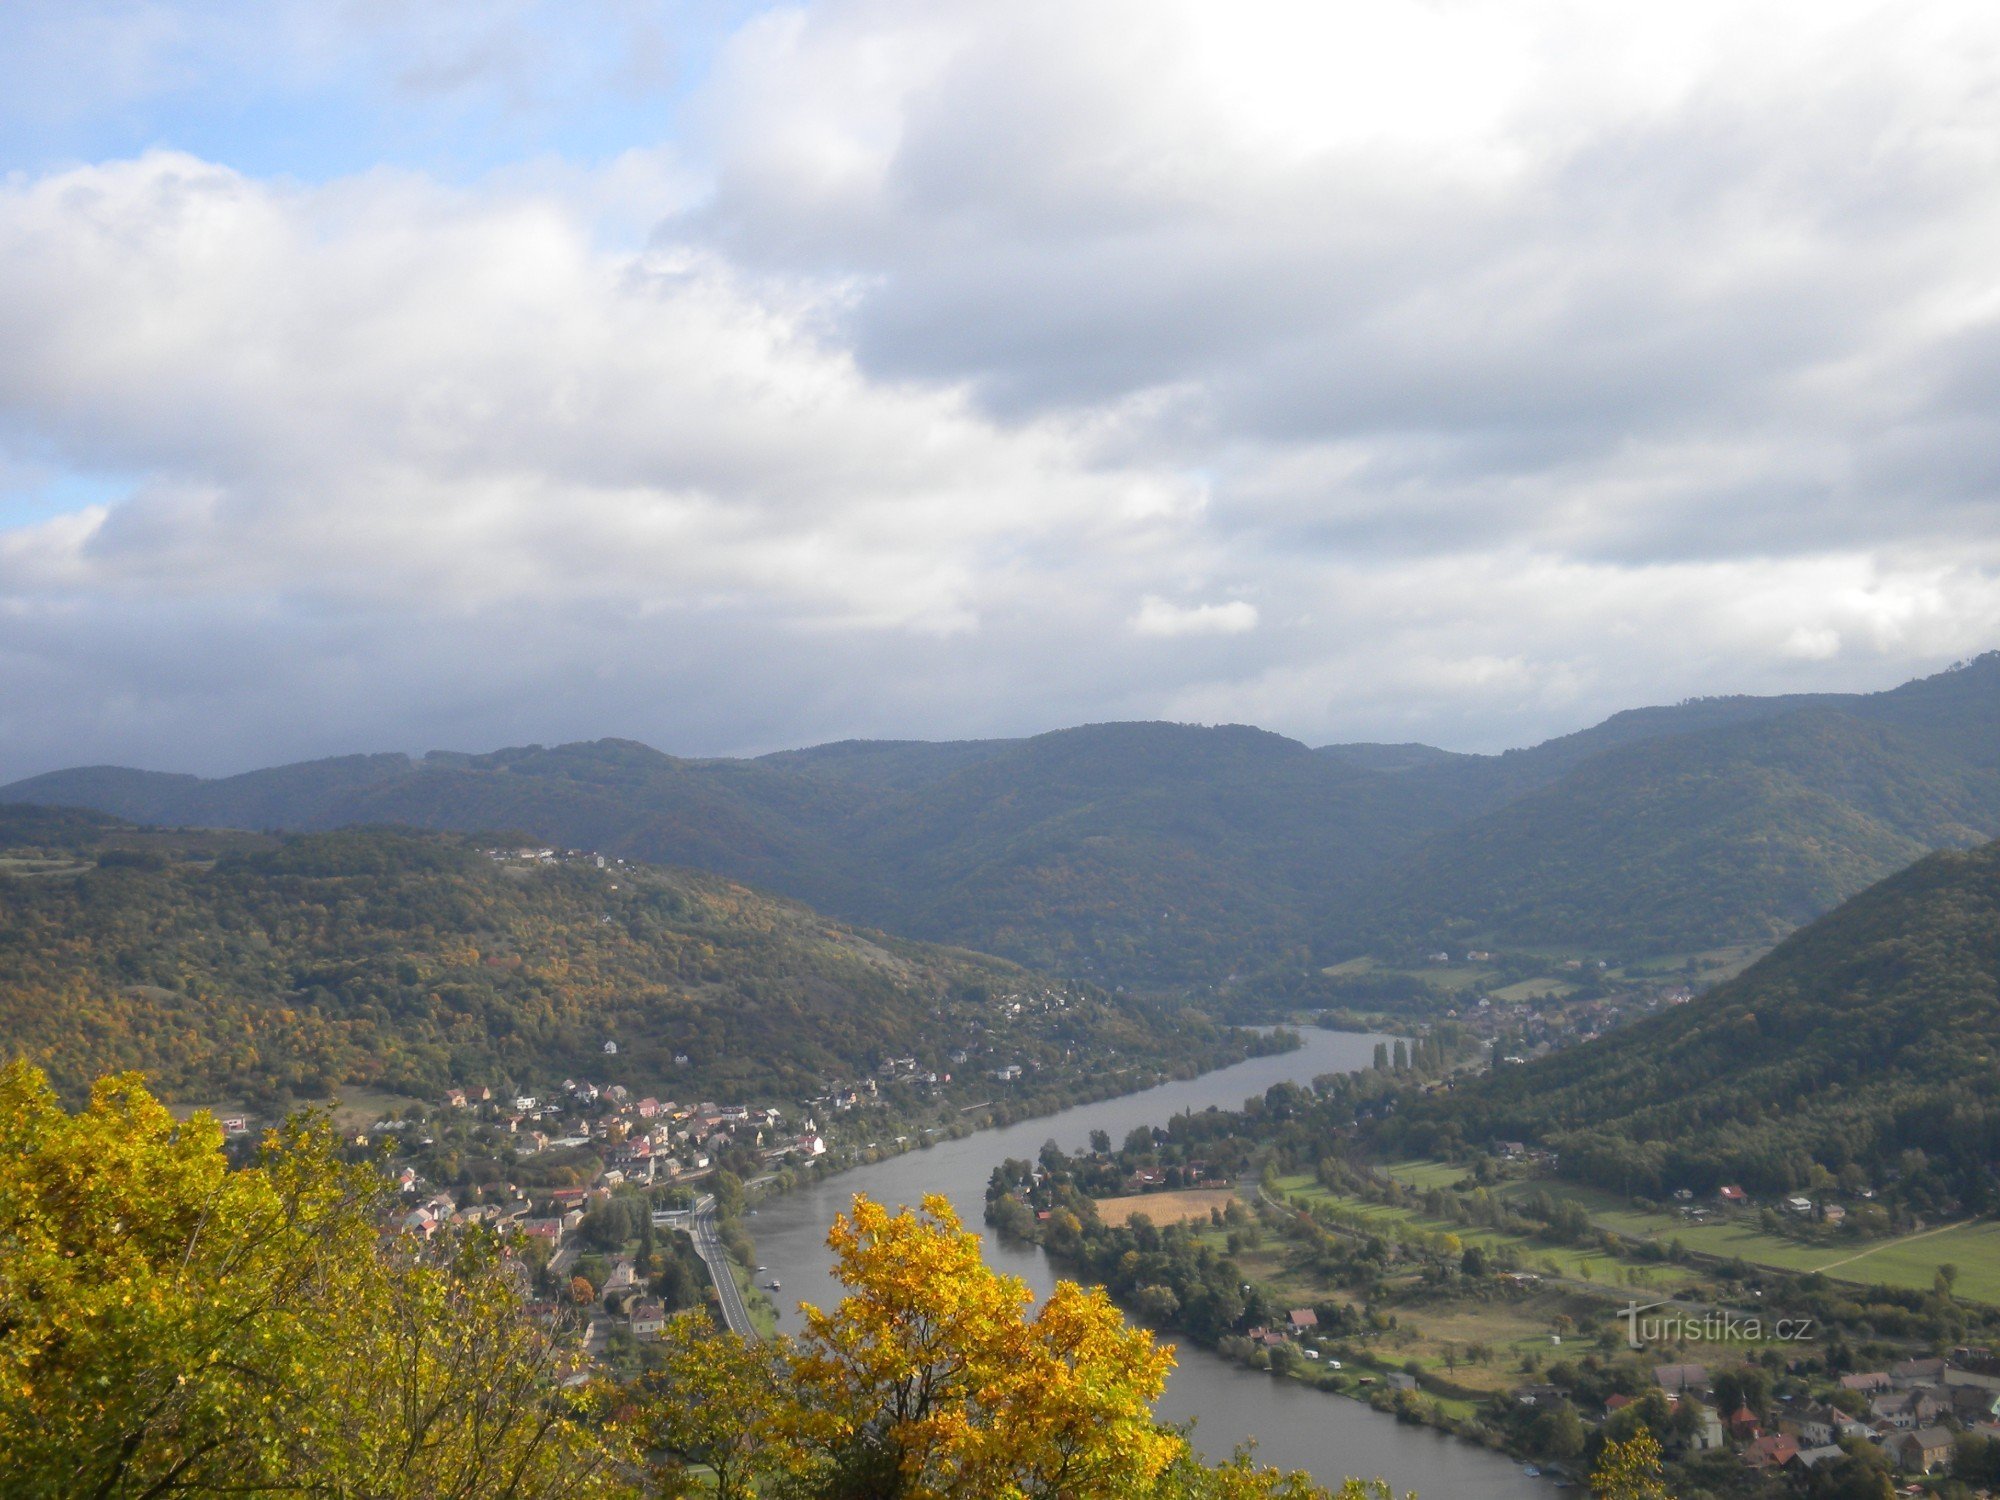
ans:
(1462, 373)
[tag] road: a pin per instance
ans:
(708, 1245)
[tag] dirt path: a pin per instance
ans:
(1908, 1239)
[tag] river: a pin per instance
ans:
(1295, 1427)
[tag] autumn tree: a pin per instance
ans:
(1629, 1470)
(710, 1404)
(170, 1326)
(933, 1379)
(930, 1379)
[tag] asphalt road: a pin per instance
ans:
(708, 1245)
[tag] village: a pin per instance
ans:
(1914, 1411)
(578, 1180)
(587, 1251)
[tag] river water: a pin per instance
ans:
(1294, 1427)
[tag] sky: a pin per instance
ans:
(733, 377)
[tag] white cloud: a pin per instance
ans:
(383, 392)
(1160, 617)
(1520, 361)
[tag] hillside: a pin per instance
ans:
(1866, 1042)
(1735, 834)
(1161, 852)
(1154, 853)
(1165, 855)
(409, 961)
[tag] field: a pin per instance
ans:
(1534, 989)
(1914, 1260)
(1593, 1266)
(1352, 966)
(1708, 967)
(1425, 1175)
(1448, 977)
(1165, 1208)
(357, 1106)
(27, 864)
(1481, 1341)
(1481, 1345)
(1910, 1262)
(756, 1301)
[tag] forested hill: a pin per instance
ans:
(242, 964)
(1169, 854)
(1867, 1043)
(1128, 852)
(1735, 834)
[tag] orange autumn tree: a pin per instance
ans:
(933, 1380)
(929, 1379)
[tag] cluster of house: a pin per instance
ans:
(1910, 1403)
(434, 1211)
(426, 1210)
(644, 1140)
(622, 1301)
(1908, 1407)
(1301, 1330)
(1300, 1323)
(1522, 1151)
(1194, 1174)
(622, 1298)
(1730, 1196)
(541, 856)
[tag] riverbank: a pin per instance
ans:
(1243, 1044)
(1294, 1425)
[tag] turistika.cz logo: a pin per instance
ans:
(1644, 1325)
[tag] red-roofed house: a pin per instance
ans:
(1773, 1451)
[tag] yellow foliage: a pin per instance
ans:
(168, 1324)
(1629, 1470)
(931, 1370)
(935, 1378)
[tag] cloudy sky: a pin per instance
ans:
(391, 376)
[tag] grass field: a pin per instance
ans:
(1442, 1336)
(1352, 966)
(21, 864)
(1914, 1260)
(1165, 1208)
(1449, 977)
(763, 1311)
(1534, 989)
(1709, 966)
(1554, 1260)
(1910, 1262)
(1425, 1175)
(356, 1106)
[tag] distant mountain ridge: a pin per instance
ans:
(1168, 854)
